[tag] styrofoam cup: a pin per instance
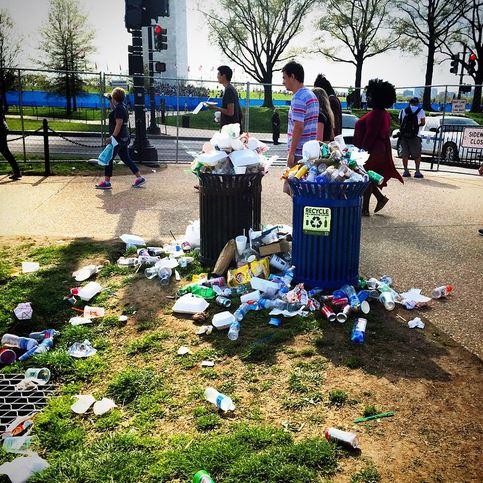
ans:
(241, 243)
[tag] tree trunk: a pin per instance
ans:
(267, 93)
(476, 103)
(68, 107)
(428, 79)
(357, 90)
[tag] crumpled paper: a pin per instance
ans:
(416, 323)
(23, 311)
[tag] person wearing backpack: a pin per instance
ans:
(411, 120)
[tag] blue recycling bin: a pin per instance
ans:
(326, 233)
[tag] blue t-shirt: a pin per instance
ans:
(304, 107)
(119, 112)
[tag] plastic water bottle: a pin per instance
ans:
(164, 275)
(359, 331)
(234, 331)
(312, 174)
(44, 346)
(44, 334)
(350, 293)
(219, 400)
(223, 301)
(288, 276)
(24, 343)
(243, 310)
(443, 291)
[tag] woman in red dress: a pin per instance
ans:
(372, 134)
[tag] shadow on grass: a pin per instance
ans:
(391, 349)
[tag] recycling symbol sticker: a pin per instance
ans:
(316, 220)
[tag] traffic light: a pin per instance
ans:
(133, 17)
(160, 38)
(454, 63)
(160, 67)
(156, 8)
(472, 64)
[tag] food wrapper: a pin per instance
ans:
(242, 275)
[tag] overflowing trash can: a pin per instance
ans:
(326, 232)
(229, 205)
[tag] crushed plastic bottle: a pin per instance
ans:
(234, 330)
(359, 331)
(350, 293)
(223, 301)
(219, 400)
(44, 346)
(24, 343)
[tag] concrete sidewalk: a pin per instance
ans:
(427, 235)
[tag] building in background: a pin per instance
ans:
(176, 56)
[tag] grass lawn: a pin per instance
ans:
(288, 385)
(15, 124)
(81, 114)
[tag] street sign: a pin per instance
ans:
(316, 220)
(458, 106)
(472, 137)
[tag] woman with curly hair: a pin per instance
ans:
(372, 133)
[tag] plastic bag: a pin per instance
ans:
(192, 235)
(106, 155)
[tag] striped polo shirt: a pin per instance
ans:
(303, 108)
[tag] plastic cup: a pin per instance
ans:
(241, 243)
(278, 263)
(7, 355)
(40, 376)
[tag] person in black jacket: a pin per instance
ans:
(4, 146)
(275, 126)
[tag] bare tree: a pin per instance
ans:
(67, 40)
(362, 27)
(10, 48)
(469, 37)
(254, 34)
(429, 23)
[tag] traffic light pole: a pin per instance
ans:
(153, 128)
(141, 149)
(462, 72)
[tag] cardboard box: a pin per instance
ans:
(282, 246)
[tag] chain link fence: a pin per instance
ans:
(78, 116)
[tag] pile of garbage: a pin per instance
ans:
(35, 343)
(231, 152)
(333, 162)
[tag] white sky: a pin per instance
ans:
(107, 18)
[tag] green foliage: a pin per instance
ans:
(206, 420)
(337, 397)
(367, 475)
(353, 362)
(133, 383)
(109, 421)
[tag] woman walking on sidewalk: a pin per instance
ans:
(118, 131)
(372, 134)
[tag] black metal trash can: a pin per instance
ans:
(229, 204)
(185, 121)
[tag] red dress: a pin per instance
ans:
(372, 134)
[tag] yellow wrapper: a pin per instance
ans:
(242, 275)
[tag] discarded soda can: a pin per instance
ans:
(186, 246)
(328, 313)
(7, 355)
(223, 301)
(220, 281)
(344, 437)
(202, 476)
(155, 251)
(375, 177)
(340, 302)
(342, 316)
(442, 291)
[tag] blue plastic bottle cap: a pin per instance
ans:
(275, 321)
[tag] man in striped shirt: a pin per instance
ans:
(303, 113)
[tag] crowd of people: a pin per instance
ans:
(166, 89)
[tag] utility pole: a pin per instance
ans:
(141, 149)
(153, 128)
(462, 72)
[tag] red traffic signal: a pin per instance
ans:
(472, 57)
(157, 29)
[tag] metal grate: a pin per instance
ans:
(19, 403)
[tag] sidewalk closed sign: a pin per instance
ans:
(316, 220)
(458, 106)
(472, 138)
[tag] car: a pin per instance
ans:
(450, 140)
(348, 125)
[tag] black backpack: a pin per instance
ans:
(410, 123)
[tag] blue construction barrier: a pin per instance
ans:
(185, 103)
